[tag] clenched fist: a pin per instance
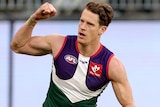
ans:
(45, 11)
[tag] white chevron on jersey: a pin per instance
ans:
(75, 88)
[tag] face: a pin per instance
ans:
(89, 30)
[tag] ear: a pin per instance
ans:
(102, 30)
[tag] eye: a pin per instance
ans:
(90, 24)
(81, 20)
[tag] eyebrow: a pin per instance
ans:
(87, 22)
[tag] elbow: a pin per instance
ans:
(14, 47)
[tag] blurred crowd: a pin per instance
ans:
(70, 9)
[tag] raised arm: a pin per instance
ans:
(120, 83)
(23, 41)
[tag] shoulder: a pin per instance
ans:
(57, 38)
(117, 70)
(54, 37)
(55, 41)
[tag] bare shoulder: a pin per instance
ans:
(116, 69)
(54, 38)
(56, 42)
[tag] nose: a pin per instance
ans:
(82, 26)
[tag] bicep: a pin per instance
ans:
(37, 45)
(120, 82)
(42, 45)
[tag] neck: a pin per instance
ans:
(88, 50)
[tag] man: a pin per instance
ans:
(82, 66)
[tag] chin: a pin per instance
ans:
(80, 40)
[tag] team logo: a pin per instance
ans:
(95, 69)
(71, 59)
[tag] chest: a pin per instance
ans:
(82, 71)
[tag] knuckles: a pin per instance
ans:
(45, 11)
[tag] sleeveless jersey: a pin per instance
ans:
(77, 80)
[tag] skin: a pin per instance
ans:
(89, 33)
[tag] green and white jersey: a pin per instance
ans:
(78, 79)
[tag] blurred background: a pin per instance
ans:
(133, 36)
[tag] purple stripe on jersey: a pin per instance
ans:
(94, 79)
(66, 62)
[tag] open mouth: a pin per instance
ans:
(81, 34)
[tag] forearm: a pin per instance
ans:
(23, 35)
(126, 98)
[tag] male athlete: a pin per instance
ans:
(82, 66)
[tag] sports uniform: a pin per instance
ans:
(76, 80)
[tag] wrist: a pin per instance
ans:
(31, 22)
